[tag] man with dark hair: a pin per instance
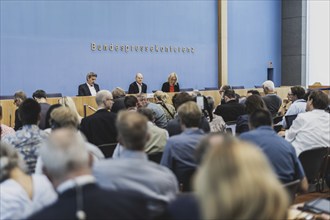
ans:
(296, 96)
(252, 92)
(311, 129)
(131, 102)
(231, 110)
(118, 100)
(19, 97)
(132, 172)
(29, 139)
(41, 97)
(180, 149)
(173, 126)
(90, 88)
(280, 153)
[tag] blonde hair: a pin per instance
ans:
(64, 117)
(68, 102)
(161, 96)
(173, 75)
(236, 181)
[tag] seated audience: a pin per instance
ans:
(118, 100)
(51, 108)
(133, 172)
(100, 127)
(90, 88)
(235, 181)
(19, 97)
(20, 194)
(172, 84)
(180, 149)
(160, 116)
(68, 165)
(131, 103)
(41, 98)
(68, 102)
(252, 103)
(160, 99)
(272, 101)
(173, 126)
(217, 124)
(280, 153)
(222, 90)
(296, 97)
(4, 129)
(138, 86)
(311, 129)
(29, 139)
(231, 109)
(249, 93)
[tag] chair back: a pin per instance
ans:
(277, 119)
(108, 149)
(292, 188)
(211, 88)
(257, 86)
(231, 127)
(155, 157)
(311, 160)
(186, 89)
(238, 87)
(54, 95)
(5, 97)
(289, 119)
(184, 177)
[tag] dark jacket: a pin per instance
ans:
(100, 128)
(166, 87)
(118, 105)
(230, 111)
(83, 89)
(134, 89)
(174, 126)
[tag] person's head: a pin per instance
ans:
(51, 108)
(63, 117)
(19, 97)
(148, 113)
(172, 78)
(142, 100)
(39, 95)
(259, 118)
(118, 93)
(132, 130)
(64, 156)
(9, 160)
(210, 102)
(190, 115)
(206, 143)
(131, 102)
(252, 92)
(180, 98)
(160, 96)
(68, 102)
(229, 95)
(268, 87)
(223, 89)
(104, 99)
(139, 78)
(295, 93)
(317, 100)
(253, 103)
(235, 181)
(29, 112)
(91, 78)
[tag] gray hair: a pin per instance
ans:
(9, 159)
(64, 152)
(101, 96)
(269, 85)
(90, 74)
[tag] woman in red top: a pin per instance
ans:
(172, 84)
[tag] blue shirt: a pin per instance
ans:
(280, 153)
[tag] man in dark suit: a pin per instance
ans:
(231, 109)
(100, 128)
(138, 86)
(90, 88)
(67, 164)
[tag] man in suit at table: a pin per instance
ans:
(68, 166)
(138, 86)
(90, 88)
(100, 127)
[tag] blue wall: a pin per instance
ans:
(254, 39)
(46, 44)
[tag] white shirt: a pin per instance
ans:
(92, 89)
(309, 130)
(15, 202)
(140, 88)
(298, 106)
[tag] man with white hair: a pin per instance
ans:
(272, 101)
(138, 86)
(100, 128)
(68, 166)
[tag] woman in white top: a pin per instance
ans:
(21, 194)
